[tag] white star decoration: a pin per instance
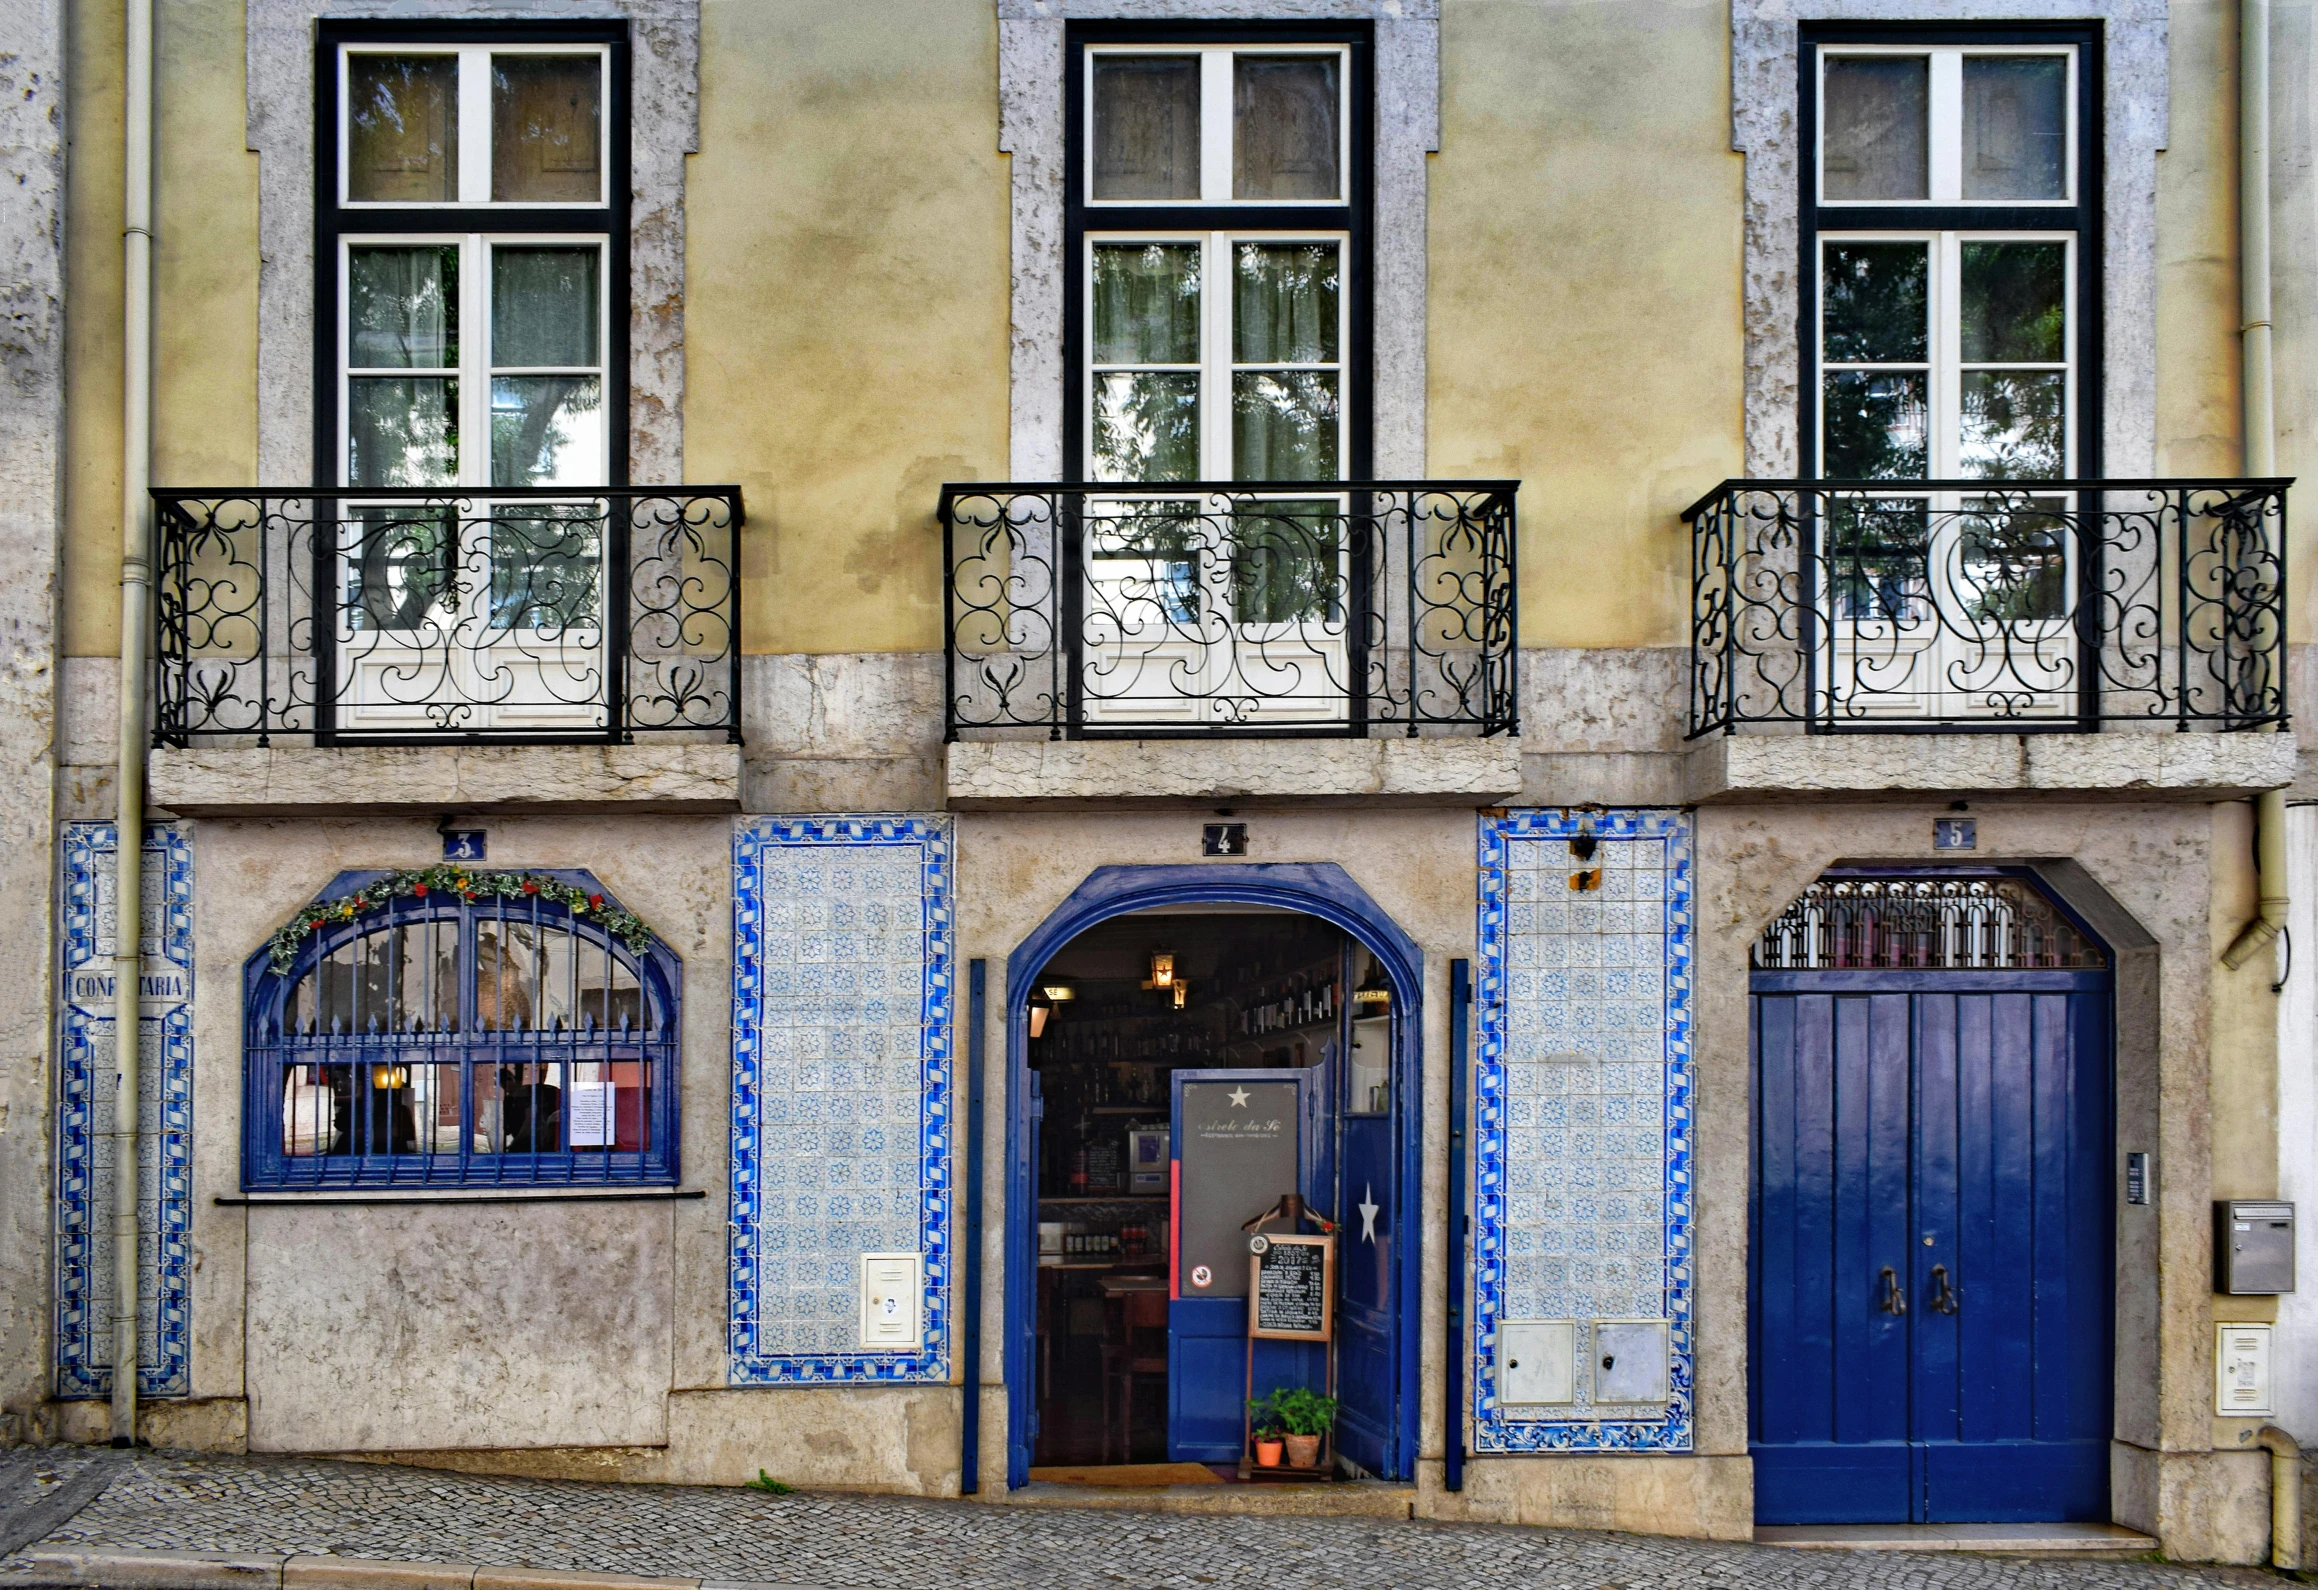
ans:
(1238, 1097)
(1368, 1207)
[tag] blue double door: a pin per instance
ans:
(1931, 1263)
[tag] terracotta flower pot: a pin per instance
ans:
(1267, 1452)
(1303, 1451)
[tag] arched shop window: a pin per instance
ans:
(450, 1027)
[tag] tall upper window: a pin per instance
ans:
(447, 1027)
(1950, 234)
(472, 279)
(1218, 227)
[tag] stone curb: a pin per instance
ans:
(76, 1569)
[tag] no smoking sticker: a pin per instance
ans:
(1201, 1275)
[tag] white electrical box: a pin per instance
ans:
(1536, 1362)
(2241, 1370)
(892, 1297)
(1630, 1360)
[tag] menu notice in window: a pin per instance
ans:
(589, 1112)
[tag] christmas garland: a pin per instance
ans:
(419, 882)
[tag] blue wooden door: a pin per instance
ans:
(1931, 1263)
(1370, 1115)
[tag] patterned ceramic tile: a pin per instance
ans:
(841, 1089)
(84, 1187)
(1582, 1111)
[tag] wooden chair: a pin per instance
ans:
(1137, 1348)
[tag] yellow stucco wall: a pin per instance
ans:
(1584, 277)
(847, 313)
(205, 285)
(846, 330)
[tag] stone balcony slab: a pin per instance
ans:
(2118, 765)
(282, 780)
(1465, 771)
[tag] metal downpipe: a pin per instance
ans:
(2260, 407)
(2285, 1496)
(136, 628)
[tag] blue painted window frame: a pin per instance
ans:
(659, 973)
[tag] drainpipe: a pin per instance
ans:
(2285, 1496)
(2261, 452)
(136, 628)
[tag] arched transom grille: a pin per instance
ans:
(1923, 924)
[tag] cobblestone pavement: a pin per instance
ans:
(832, 1541)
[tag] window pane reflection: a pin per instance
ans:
(1876, 138)
(1146, 127)
(546, 120)
(1284, 127)
(402, 128)
(2015, 127)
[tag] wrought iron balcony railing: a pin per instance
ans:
(1887, 606)
(420, 616)
(1204, 608)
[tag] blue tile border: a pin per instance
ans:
(1495, 1165)
(84, 1115)
(756, 1356)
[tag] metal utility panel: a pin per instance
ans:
(2241, 1370)
(892, 1288)
(1537, 1362)
(2253, 1247)
(1630, 1360)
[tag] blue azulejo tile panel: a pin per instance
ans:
(85, 1165)
(1582, 1132)
(841, 1090)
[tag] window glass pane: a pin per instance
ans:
(544, 307)
(1146, 127)
(2015, 126)
(1146, 425)
(2014, 425)
(2015, 302)
(519, 1107)
(1873, 303)
(1284, 298)
(402, 431)
(402, 308)
(1876, 556)
(1285, 563)
(1874, 425)
(398, 576)
(402, 128)
(547, 430)
(1283, 425)
(1143, 562)
(1284, 127)
(546, 112)
(2012, 560)
(1876, 137)
(1147, 303)
(546, 567)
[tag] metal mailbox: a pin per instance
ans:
(2253, 1246)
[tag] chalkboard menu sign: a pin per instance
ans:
(1292, 1294)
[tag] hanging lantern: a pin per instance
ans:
(1162, 969)
(1586, 877)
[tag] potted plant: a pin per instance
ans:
(1305, 1415)
(1264, 1420)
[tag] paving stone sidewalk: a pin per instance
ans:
(833, 1541)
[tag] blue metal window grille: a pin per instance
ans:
(435, 1040)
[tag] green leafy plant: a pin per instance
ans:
(1264, 1416)
(1298, 1410)
(417, 883)
(765, 1482)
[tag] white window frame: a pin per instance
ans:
(1945, 131)
(476, 367)
(1216, 365)
(1945, 366)
(475, 125)
(1215, 123)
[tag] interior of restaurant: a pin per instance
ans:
(1114, 1015)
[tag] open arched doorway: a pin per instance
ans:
(1179, 1041)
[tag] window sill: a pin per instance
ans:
(1446, 770)
(272, 780)
(2153, 764)
(459, 1195)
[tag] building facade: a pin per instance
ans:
(835, 694)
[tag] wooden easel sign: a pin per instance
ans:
(1292, 1287)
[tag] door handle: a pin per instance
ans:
(1945, 1298)
(1895, 1296)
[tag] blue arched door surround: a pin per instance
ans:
(1320, 889)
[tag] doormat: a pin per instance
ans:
(1140, 1476)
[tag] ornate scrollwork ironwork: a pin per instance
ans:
(1890, 605)
(426, 614)
(1203, 608)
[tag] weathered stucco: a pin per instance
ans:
(280, 780)
(1444, 771)
(32, 303)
